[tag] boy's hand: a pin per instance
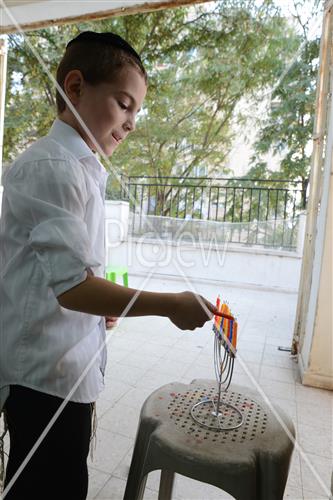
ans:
(191, 311)
(110, 322)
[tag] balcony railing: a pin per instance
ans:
(256, 211)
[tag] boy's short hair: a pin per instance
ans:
(98, 56)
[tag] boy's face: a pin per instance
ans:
(109, 109)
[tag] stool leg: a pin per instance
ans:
(142, 488)
(135, 490)
(125, 279)
(136, 481)
(166, 485)
(113, 277)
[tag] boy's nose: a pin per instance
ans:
(129, 125)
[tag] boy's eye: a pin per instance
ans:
(122, 105)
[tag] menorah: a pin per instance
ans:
(216, 413)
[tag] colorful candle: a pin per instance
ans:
(225, 325)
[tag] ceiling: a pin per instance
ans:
(22, 15)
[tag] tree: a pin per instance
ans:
(201, 61)
(30, 96)
(206, 64)
(287, 130)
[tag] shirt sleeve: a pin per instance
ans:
(49, 199)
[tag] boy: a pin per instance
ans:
(54, 298)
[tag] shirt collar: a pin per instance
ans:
(68, 137)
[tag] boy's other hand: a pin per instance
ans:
(110, 322)
(191, 311)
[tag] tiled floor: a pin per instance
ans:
(145, 353)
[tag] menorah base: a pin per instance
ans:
(225, 417)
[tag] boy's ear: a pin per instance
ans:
(73, 85)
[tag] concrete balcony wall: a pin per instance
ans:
(233, 264)
(238, 267)
(116, 221)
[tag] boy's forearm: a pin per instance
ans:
(104, 298)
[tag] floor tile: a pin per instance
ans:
(115, 354)
(124, 372)
(316, 475)
(189, 489)
(123, 467)
(110, 450)
(152, 495)
(291, 493)
(310, 495)
(102, 405)
(149, 348)
(121, 419)
(114, 390)
(112, 490)
(153, 379)
(250, 356)
(315, 440)
(277, 373)
(277, 341)
(135, 397)
(277, 389)
(204, 359)
(183, 355)
(316, 396)
(138, 360)
(153, 480)
(243, 380)
(165, 338)
(281, 359)
(288, 406)
(274, 351)
(245, 367)
(198, 371)
(308, 415)
(170, 366)
(295, 475)
(250, 346)
(125, 344)
(97, 480)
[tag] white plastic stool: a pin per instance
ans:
(250, 463)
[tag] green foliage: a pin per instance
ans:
(206, 64)
(287, 129)
(200, 61)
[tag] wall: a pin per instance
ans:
(316, 357)
(229, 263)
(238, 267)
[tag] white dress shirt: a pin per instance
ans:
(51, 232)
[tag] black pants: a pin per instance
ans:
(58, 468)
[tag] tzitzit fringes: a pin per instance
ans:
(93, 439)
(2, 451)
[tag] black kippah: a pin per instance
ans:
(107, 38)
